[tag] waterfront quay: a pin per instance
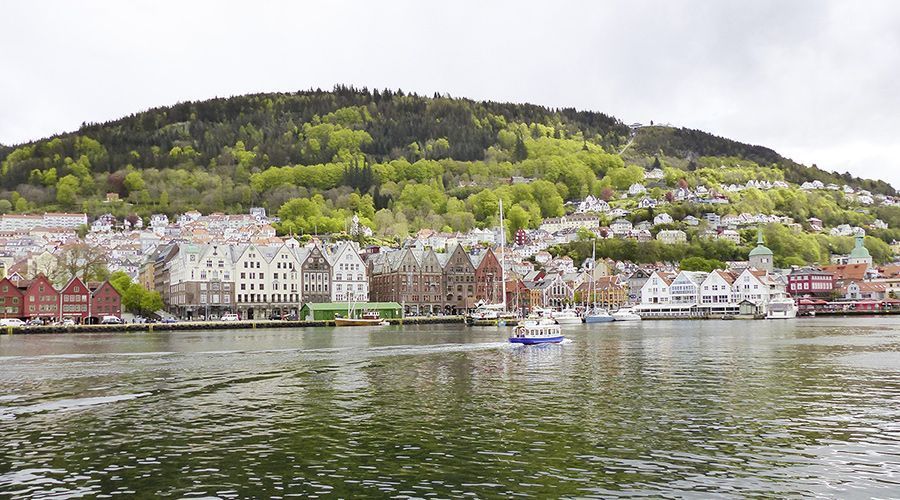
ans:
(213, 325)
(412, 320)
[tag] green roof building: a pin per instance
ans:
(326, 311)
(860, 254)
(761, 257)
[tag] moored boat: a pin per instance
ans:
(566, 317)
(485, 312)
(368, 318)
(537, 332)
(597, 315)
(781, 308)
(626, 314)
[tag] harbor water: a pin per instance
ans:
(705, 409)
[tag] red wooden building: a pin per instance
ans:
(518, 297)
(11, 299)
(41, 299)
(810, 282)
(75, 301)
(105, 301)
(488, 278)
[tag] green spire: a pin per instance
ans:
(760, 248)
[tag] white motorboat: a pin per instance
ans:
(566, 317)
(485, 312)
(781, 308)
(597, 315)
(626, 314)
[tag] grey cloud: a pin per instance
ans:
(814, 80)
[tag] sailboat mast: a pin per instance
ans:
(592, 292)
(502, 256)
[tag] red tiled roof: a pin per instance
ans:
(891, 270)
(854, 272)
(729, 277)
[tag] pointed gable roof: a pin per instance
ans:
(13, 287)
(74, 281)
(729, 277)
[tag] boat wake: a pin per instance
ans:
(10, 413)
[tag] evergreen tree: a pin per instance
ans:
(520, 153)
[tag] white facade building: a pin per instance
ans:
(349, 277)
(716, 288)
(685, 288)
(656, 289)
(621, 226)
(671, 236)
(662, 219)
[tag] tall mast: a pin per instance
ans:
(592, 292)
(502, 255)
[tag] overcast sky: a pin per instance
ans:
(818, 81)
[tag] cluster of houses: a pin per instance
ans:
(208, 265)
(565, 229)
(861, 196)
(27, 240)
(207, 280)
(746, 288)
(38, 299)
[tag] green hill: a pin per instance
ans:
(402, 161)
(693, 144)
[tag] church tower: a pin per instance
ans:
(761, 257)
(860, 254)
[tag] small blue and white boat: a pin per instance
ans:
(537, 332)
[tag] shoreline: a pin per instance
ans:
(253, 325)
(209, 325)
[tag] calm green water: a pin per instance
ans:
(699, 409)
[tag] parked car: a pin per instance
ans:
(170, 320)
(11, 322)
(283, 317)
(35, 322)
(111, 320)
(68, 322)
(230, 317)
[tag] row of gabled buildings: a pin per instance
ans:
(425, 281)
(557, 289)
(695, 293)
(38, 299)
(254, 281)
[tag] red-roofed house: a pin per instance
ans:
(845, 273)
(106, 301)
(75, 301)
(488, 278)
(865, 290)
(41, 299)
(11, 299)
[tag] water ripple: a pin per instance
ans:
(659, 409)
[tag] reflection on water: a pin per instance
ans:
(805, 407)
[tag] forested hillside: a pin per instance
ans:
(401, 161)
(693, 144)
